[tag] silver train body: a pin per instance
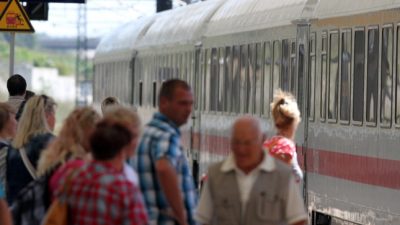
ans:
(341, 59)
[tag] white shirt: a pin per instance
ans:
(295, 210)
(131, 174)
(15, 101)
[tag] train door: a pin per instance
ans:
(196, 115)
(302, 49)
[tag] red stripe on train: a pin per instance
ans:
(362, 169)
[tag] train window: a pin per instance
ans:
(206, 87)
(293, 67)
(345, 76)
(184, 66)
(244, 89)
(213, 80)
(358, 82)
(386, 75)
(267, 78)
(311, 81)
(324, 43)
(300, 83)
(398, 78)
(285, 82)
(221, 83)
(277, 65)
(236, 80)
(228, 81)
(333, 76)
(154, 94)
(141, 93)
(251, 87)
(372, 75)
(258, 79)
(198, 78)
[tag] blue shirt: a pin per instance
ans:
(161, 139)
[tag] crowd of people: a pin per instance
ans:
(108, 169)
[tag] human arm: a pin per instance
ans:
(5, 215)
(169, 183)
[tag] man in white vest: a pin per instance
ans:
(250, 187)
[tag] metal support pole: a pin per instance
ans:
(12, 53)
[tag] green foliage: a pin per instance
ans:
(64, 62)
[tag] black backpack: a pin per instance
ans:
(32, 202)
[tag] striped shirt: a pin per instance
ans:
(161, 139)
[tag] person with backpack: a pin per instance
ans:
(8, 129)
(72, 144)
(34, 133)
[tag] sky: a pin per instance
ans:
(102, 16)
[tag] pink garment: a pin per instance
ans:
(281, 147)
(61, 172)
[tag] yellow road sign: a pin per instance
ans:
(14, 18)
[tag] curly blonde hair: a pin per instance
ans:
(285, 111)
(71, 138)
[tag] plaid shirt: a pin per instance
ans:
(161, 139)
(99, 194)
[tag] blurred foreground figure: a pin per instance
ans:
(164, 174)
(250, 187)
(71, 147)
(99, 192)
(286, 115)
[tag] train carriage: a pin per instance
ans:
(339, 58)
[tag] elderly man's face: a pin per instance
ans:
(246, 144)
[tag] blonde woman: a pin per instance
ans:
(34, 132)
(286, 116)
(71, 144)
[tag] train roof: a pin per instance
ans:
(120, 43)
(241, 16)
(184, 25)
(329, 9)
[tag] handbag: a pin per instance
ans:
(57, 213)
(58, 210)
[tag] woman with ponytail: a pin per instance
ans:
(286, 116)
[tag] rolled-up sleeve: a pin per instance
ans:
(295, 210)
(204, 211)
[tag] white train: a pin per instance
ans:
(340, 58)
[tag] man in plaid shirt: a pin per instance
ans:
(99, 193)
(164, 175)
